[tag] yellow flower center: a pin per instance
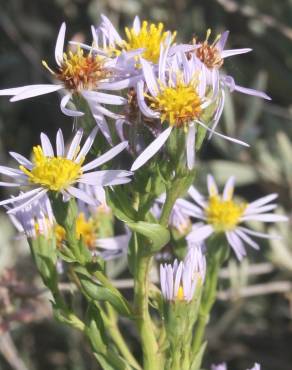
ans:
(177, 105)
(180, 294)
(150, 37)
(53, 173)
(209, 53)
(60, 234)
(80, 71)
(87, 229)
(224, 215)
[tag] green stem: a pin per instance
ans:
(143, 319)
(176, 359)
(177, 188)
(216, 258)
(112, 326)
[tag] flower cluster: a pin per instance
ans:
(167, 98)
(166, 83)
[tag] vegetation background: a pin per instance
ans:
(252, 320)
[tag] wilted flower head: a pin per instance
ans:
(179, 281)
(212, 54)
(58, 173)
(221, 214)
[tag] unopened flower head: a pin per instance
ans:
(179, 281)
(222, 214)
(58, 173)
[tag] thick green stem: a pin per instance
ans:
(112, 326)
(143, 319)
(176, 360)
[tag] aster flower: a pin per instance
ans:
(221, 214)
(212, 57)
(59, 173)
(178, 95)
(179, 281)
(145, 37)
(35, 219)
(76, 73)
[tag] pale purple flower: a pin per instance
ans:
(59, 173)
(35, 219)
(180, 280)
(223, 366)
(212, 57)
(71, 81)
(95, 192)
(177, 80)
(221, 214)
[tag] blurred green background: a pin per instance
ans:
(252, 319)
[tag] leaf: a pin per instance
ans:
(196, 364)
(156, 235)
(100, 293)
(121, 205)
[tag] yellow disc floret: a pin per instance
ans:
(224, 215)
(180, 294)
(208, 53)
(86, 229)
(60, 234)
(178, 105)
(53, 173)
(80, 71)
(149, 38)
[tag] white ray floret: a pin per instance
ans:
(221, 214)
(180, 280)
(177, 95)
(61, 173)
